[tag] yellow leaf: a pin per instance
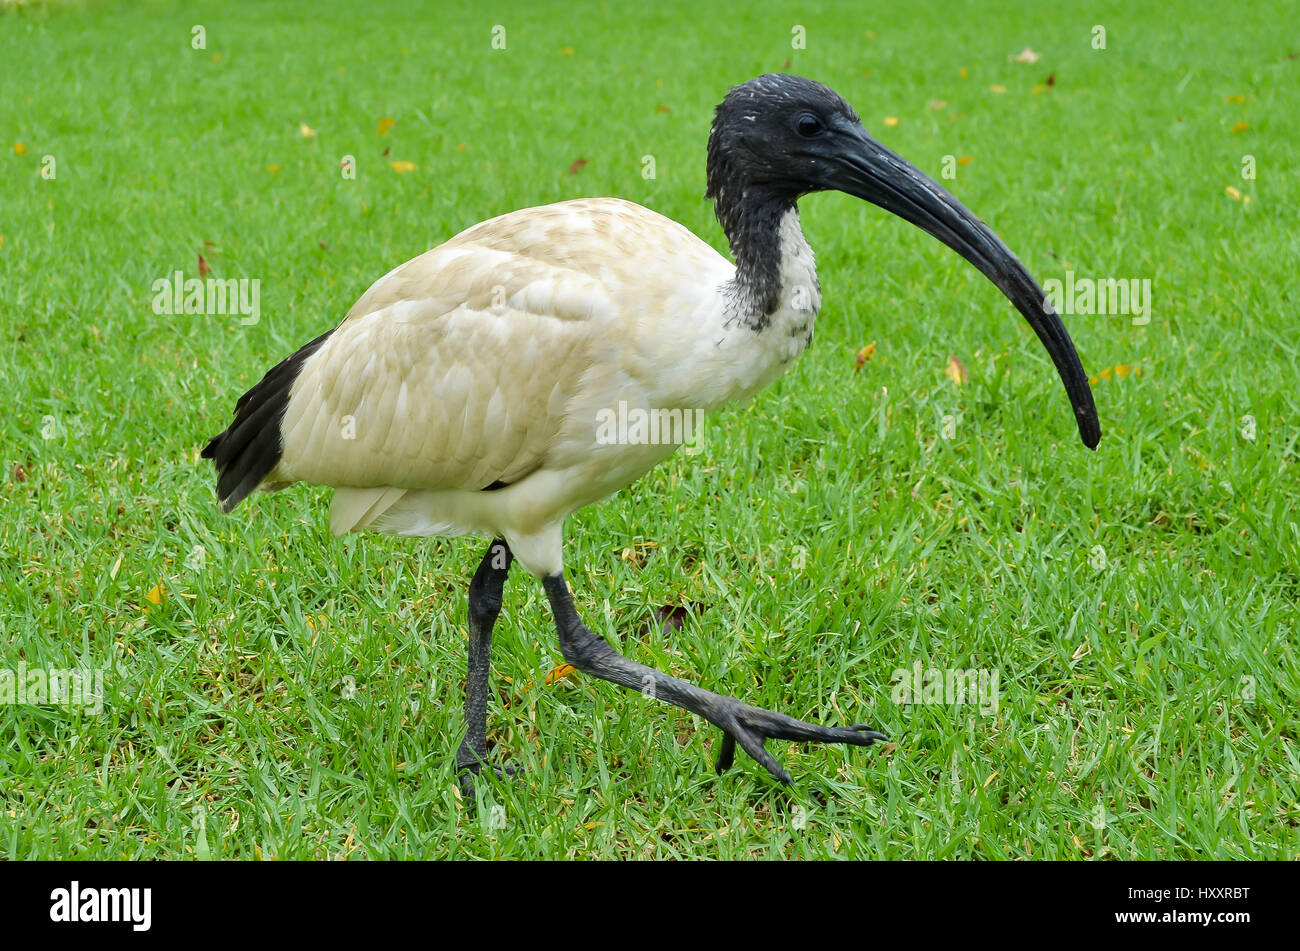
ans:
(567, 51)
(997, 88)
(955, 371)
(385, 124)
(216, 57)
(273, 169)
(559, 673)
(306, 131)
(964, 72)
(460, 146)
(891, 121)
(2, 241)
(1119, 372)
(1240, 127)
(1235, 99)
(20, 149)
(1233, 193)
(964, 160)
(402, 167)
(155, 595)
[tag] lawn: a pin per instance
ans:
(271, 691)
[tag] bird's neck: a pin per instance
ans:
(774, 264)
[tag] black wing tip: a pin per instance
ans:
(251, 447)
(225, 502)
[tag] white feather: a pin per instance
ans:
(490, 358)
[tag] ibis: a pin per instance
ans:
(464, 393)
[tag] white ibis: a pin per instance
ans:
(463, 393)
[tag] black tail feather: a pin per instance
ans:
(246, 452)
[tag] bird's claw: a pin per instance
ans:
(751, 727)
(468, 769)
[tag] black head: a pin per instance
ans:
(778, 137)
(776, 134)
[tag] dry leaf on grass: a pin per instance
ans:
(559, 673)
(1118, 372)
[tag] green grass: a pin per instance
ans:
(828, 534)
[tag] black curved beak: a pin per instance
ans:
(868, 170)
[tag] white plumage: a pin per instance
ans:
(489, 359)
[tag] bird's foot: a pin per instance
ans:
(752, 726)
(470, 765)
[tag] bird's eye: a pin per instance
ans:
(808, 125)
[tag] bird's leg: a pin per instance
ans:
(484, 606)
(739, 722)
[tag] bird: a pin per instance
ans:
(469, 391)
